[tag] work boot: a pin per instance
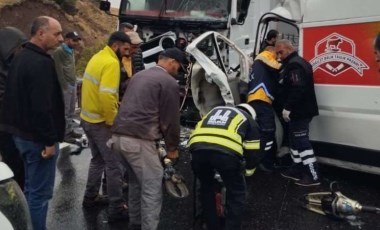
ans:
(307, 181)
(90, 202)
(268, 163)
(266, 167)
(294, 172)
(310, 176)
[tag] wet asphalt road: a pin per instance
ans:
(273, 202)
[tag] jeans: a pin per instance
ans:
(204, 164)
(12, 158)
(39, 179)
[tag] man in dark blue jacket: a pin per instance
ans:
(299, 107)
(262, 87)
(33, 112)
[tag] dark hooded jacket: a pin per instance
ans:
(11, 38)
(33, 106)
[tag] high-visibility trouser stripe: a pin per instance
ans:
(251, 145)
(310, 160)
(218, 132)
(91, 115)
(268, 145)
(91, 78)
(295, 156)
(107, 89)
(218, 141)
(307, 157)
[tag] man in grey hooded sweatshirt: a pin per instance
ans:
(11, 43)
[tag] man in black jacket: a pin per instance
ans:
(33, 112)
(12, 40)
(299, 107)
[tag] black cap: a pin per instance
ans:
(73, 35)
(177, 55)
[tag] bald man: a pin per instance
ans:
(299, 106)
(33, 113)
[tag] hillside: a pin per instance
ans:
(92, 24)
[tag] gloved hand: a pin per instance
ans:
(286, 115)
(249, 172)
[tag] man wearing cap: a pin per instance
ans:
(64, 59)
(126, 27)
(132, 61)
(99, 107)
(149, 111)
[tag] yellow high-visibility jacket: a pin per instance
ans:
(100, 87)
(228, 130)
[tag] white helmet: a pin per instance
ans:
(247, 108)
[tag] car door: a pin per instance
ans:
(219, 73)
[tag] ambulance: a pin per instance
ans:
(336, 37)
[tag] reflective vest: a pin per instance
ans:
(226, 128)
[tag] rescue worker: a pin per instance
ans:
(226, 140)
(262, 86)
(299, 105)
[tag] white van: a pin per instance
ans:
(336, 37)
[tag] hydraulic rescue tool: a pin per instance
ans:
(173, 180)
(335, 204)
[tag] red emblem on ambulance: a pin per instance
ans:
(335, 54)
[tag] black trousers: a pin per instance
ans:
(266, 121)
(12, 158)
(204, 164)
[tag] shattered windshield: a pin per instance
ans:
(177, 9)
